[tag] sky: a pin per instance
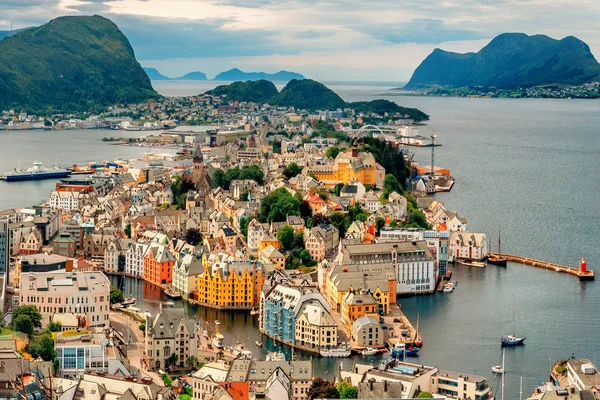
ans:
(335, 40)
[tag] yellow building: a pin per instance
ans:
(231, 285)
(356, 304)
(348, 165)
(268, 240)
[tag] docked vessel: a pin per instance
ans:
(497, 259)
(170, 304)
(472, 263)
(258, 343)
(37, 172)
(275, 356)
(418, 338)
(369, 351)
(218, 340)
(172, 294)
(512, 340)
(341, 351)
(128, 301)
(400, 350)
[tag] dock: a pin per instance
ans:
(582, 272)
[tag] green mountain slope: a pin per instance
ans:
(155, 74)
(70, 64)
(307, 94)
(254, 91)
(510, 60)
(236, 74)
(381, 107)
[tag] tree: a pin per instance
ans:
(191, 362)
(244, 226)
(172, 360)
(286, 237)
(322, 389)
(425, 395)
(193, 237)
(379, 223)
(333, 152)
(338, 189)
(218, 179)
(47, 351)
(128, 230)
(54, 326)
(277, 205)
(142, 327)
(31, 311)
(340, 221)
(391, 184)
(347, 391)
(23, 324)
(116, 296)
(292, 170)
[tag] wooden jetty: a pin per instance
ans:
(582, 273)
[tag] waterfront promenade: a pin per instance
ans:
(582, 273)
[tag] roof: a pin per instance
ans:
(165, 324)
(65, 282)
(362, 322)
(271, 252)
(295, 370)
(237, 390)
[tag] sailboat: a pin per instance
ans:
(418, 339)
(497, 259)
(512, 340)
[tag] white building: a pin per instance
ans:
(134, 259)
(278, 386)
(582, 374)
(256, 231)
(404, 234)
(185, 274)
(64, 200)
(84, 294)
(468, 246)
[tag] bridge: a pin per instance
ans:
(372, 130)
(582, 273)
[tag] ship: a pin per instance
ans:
(341, 351)
(217, 339)
(35, 173)
(497, 259)
(400, 350)
(172, 293)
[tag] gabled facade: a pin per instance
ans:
(158, 265)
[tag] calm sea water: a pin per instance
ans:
(529, 166)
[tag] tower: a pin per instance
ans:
(198, 163)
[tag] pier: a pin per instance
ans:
(582, 273)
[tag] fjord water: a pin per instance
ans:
(529, 166)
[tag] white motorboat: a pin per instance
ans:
(369, 351)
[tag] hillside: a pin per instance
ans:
(70, 64)
(381, 107)
(237, 75)
(307, 94)
(193, 76)
(254, 91)
(510, 60)
(155, 75)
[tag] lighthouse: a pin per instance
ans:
(583, 266)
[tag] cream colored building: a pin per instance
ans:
(79, 293)
(315, 327)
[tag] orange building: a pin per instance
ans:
(268, 240)
(158, 265)
(356, 304)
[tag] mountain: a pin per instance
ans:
(510, 60)
(193, 76)
(254, 91)
(238, 75)
(381, 107)
(307, 94)
(4, 34)
(154, 75)
(70, 64)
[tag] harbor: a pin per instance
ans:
(582, 272)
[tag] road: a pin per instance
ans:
(130, 330)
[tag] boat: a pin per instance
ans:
(35, 173)
(472, 263)
(418, 339)
(512, 340)
(341, 351)
(245, 355)
(497, 259)
(218, 339)
(254, 311)
(400, 350)
(172, 294)
(449, 287)
(128, 301)
(259, 343)
(170, 304)
(275, 356)
(369, 351)
(498, 369)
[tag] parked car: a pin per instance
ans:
(397, 320)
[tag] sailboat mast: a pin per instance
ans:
(499, 251)
(521, 390)
(503, 371)
(513, 319)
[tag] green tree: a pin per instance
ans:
(218, 179)
(425, 395)
(341, 222)
(277, 205)
(292, 170)
(191, 362)
(193, 237)
(391, 184)
(379, 223)
(142, 327)
(47, 351)
(23, 324)
(128, 230)
(322, 389)
(286, 237)
(333, 152)
(54, 326)
(244, 226)
(116, 296)
(347, 391)
(172, 360)
(338, 189)
(31, 311)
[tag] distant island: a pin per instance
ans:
(71, 64)
(308, 94)
(237, 75)
(155, 75)
(509, 61)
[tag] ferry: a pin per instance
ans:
(35, 173)
(341, 351)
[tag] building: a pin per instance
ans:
(367, 332)
(321, 241)
(271, 255)
(170, 332)
(84, 294)
(64, 245)
(582, 374)
(412, 262)
(439, 241)
(468, 246)
(64, 200)
(134, 259)
(351, 164)
(315, 327)
(185, 274)
(115, 255)
(256, 231)
(231, 284)
(4, 245)
(379, 390)
(279, 386)
(158, 265)
(356, 304)
(101, 386)
(95, 244)
(300, 374)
